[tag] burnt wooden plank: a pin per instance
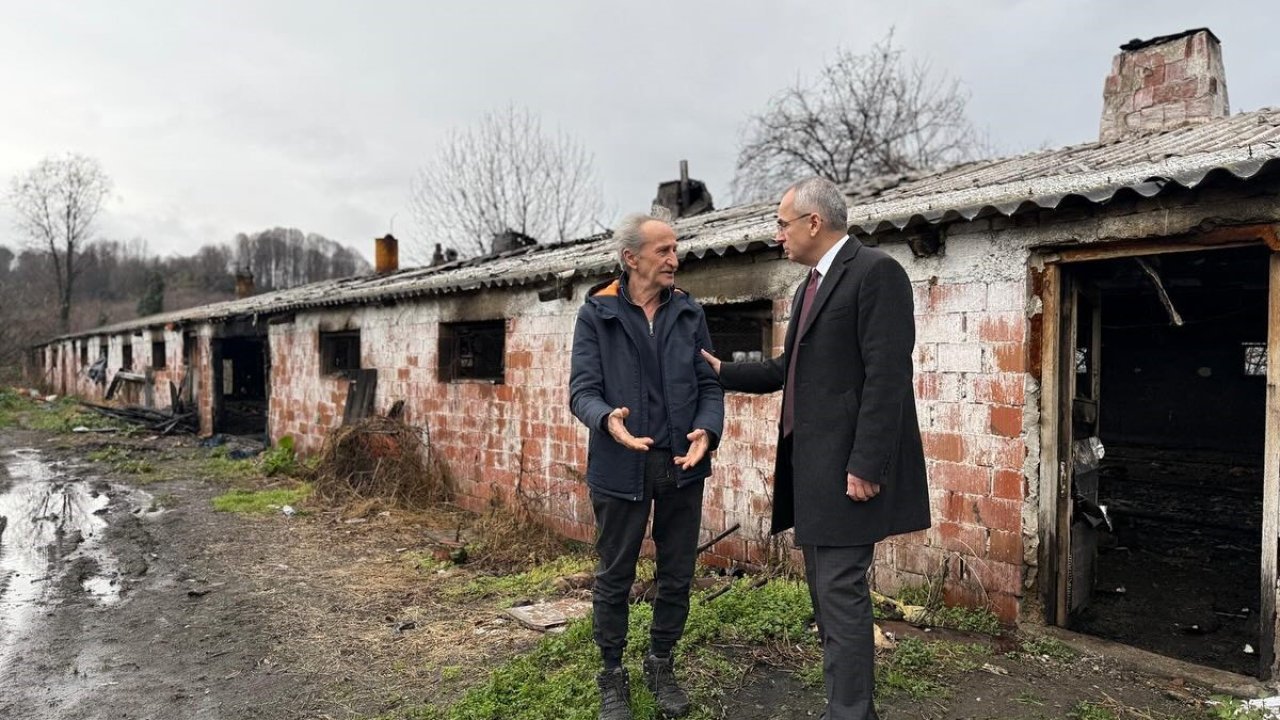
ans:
(1050, 402)
(360, 396)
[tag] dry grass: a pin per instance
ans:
(357, 608)
(379, 459)
(510, 536)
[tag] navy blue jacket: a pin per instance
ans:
(605, 374)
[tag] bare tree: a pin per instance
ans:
(56, 203)
(503, 173)
(282, 258)
(865, 115)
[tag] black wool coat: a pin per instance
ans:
(855, 406)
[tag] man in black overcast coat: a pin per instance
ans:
(850, 465)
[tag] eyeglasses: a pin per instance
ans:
(782, 224)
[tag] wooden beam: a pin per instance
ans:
(1271, 483)
(1050, 401)
(1218, 238)
(1065, 382)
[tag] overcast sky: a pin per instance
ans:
(216, 118)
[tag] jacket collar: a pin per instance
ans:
(829, 281)
(610, 291)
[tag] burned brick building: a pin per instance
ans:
(1096, 329)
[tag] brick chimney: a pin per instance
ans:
(244, 283)
(1164, 83)
(386, 254)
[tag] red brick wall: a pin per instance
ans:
(971, 355)
(71, 376)
(303, 403)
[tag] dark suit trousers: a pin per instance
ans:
(842, 606)
(620, 526)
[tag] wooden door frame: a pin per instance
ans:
(1053, 417)
(1270, 480)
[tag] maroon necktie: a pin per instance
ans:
(788, 390)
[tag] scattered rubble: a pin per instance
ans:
(157, 421)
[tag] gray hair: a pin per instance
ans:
(821, 196)
(627, 235)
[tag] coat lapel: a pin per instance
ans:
(828, 286)
(795, 319)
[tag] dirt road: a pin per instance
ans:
(99, 618)
(124, 596)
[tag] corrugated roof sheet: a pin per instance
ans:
(1240, 146)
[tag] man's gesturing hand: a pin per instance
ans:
(860, 490)
(698, 448)
(712, 360)
(620, 433)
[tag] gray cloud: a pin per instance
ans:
(223, 117)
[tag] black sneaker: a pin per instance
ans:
(615, 694)
(661, 679)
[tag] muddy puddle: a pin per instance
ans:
(53, 523)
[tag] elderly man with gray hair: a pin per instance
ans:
(655, 412)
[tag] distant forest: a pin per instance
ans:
(119, 281)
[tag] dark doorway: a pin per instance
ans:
(1167, 429)
(240, 385)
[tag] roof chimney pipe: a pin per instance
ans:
(244, 282)
(386, 254)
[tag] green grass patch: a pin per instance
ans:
(810, 675)
(61, 415)
(124, 461)
(1045, 646)
(914, 595)
(1222, 707)
(1085, 710)
(979, 620)
(109, 455)
(260, 501)
(221, 467)
(538, 581)
(920, 669)
(10, 404)
(556, 680)
(281, 459)
(778, 611)
(954, 617)
(425, 562)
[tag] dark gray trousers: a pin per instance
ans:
(837, 579)
(620, 526)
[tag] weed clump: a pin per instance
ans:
(381, 459)
(281, 459)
